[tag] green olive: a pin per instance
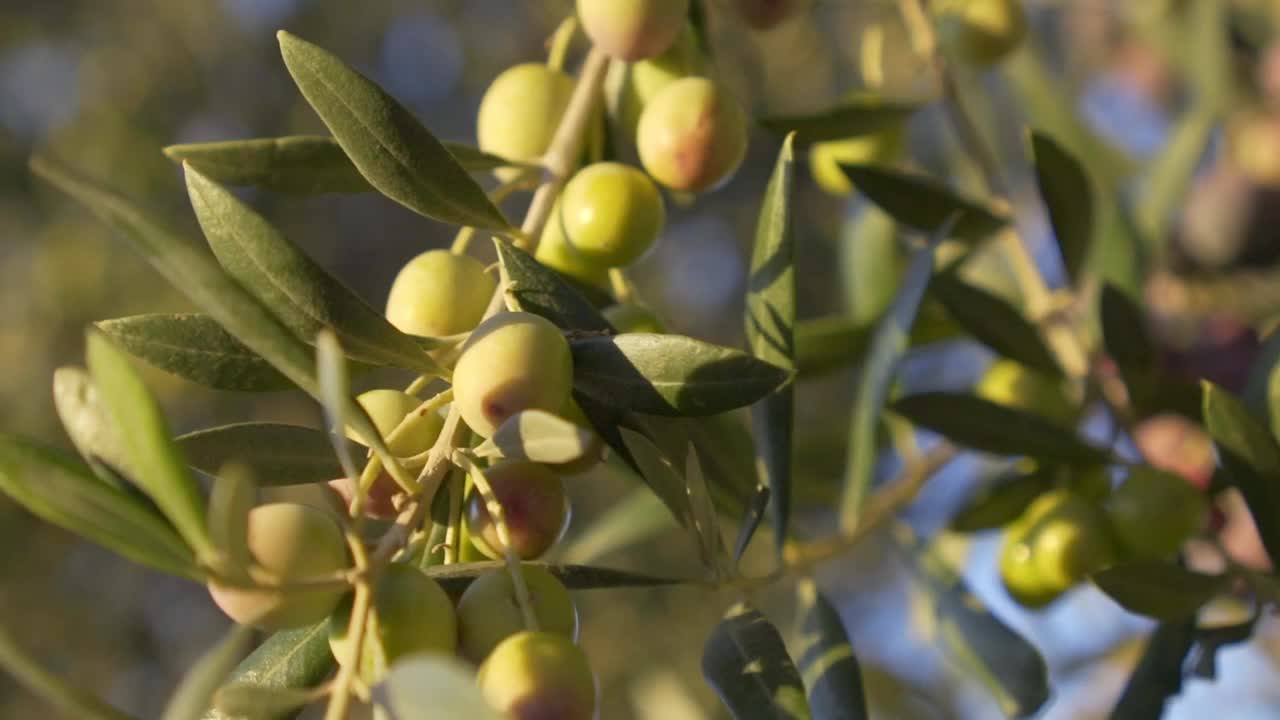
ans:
(555, 252)
(387, 407)
(291, 542)
(628, 87)
(1155, 512)
(633, 318)
(692, 135)
(981, 32)
(539, 675)
(520, 112)
(632, 29)
(534, 505)
(513, 361)
(611, 213)
(488, 612)
(410, 613)
(1016, 386)
(825, 158)
(439, 293)
(1059, 540)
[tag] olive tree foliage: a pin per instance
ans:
(422, 593)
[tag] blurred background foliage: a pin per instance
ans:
(106, 85)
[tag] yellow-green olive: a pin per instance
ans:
(632, 29)
(520, 112)
(439, 293)
(981, 32)
(539, 675)
(555, 252)
(291, 542)
(533, 503)
(611, 214)
(513, 361)
(1155, 512)
(1058, 541)
(633, 318)
(692, 135)
(628, 86)
(489, 613)
(410, 613)
(387, 407)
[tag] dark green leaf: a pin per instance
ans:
(1209, 640)
(887, 348)
(1069, 197)
(870, 266)
(855, 116)
(827, 663)
(539, 290)
(394, 152)
(1262, 387)
(706, 524)
(1124, 331)
(196, 348)
(202, 680)
(1164, 591)
(1158, 675)
(833, 342)
(994, 322)
(456, 578)
(750, 521)
(301, 293)
(1001, 503)
(725, 449)
(64, 492)
(747, 664)
(538, 436)
(1251, 457)
(232, 495)
(770, 329)
(925, 203)
(244, 700)
(670, 374)
(276, 454)
(155, 463)
(302, 164)
(983, 425)
(298, 658)
(1169, 177)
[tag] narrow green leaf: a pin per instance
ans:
(994, 322)
(770, 332)
(870, 268)
(1164, 591)
(750, 522)
(1213, 639)
(1068, 195)
(231, 497)
(715, 556)
(303, 164)
(438, 685)
(670, 374)
(335, 395)
(244, 700)
(64, 492)
(276, 454)
(747, 664)
(983, 425)
(925, 203)
(301, 293)
(833, 342)
(725, 451)
(456, 578)
(887, 348)
(387, 144)
(827, 663)
(191, 698)
(1124, 331)
(852, 117)
(660, 474)
(1251, 457)
(196, 348)
(1002, 502)
(290, 659)
(155, 461)
(538, 436)
(69, 699)
(87, 424)
(636, 517)
(539, 290)
(1159, 673)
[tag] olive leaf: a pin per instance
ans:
(925, 203)
(387, 144)
(455, 578)
(660, 474)
(538, 436)
(1002, 502)
(715, 556)
(747, 664)
(276, 454)
(196, 348)
(826, 660)
(994, 322)
(539, 290)
(770, 332)
(1261, 392)
(670, 375)
(834, 342)
(1158, 675)
(1251, 457)
(750, 522)
(634, 518)
(242, 700)
(1161, 590)
(983, 425)
(63, 491)
(851, 117)
(85, 419)
(155, 462)
(289, 659)
(303, 164)
(301, 293)
(1068, 195)
(202, 680)
(442, 683)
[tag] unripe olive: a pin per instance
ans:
(632, 29)
(292, 542)
(628, 87)
(520, 112)
(633, 318)
(765, 14)
(387, 407)
(489, 613)
(981, 32)
(555, 252)
(439, 293)
(410, 613)
(1155, 512)
(512, 362)
(534, 506)
(1014, 385)
(379, 501)
(825, 158)
(611, 213)
(539, 675)
(1059, 540)
(692, 135)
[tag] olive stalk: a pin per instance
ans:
(340, 699)
(453, 534)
